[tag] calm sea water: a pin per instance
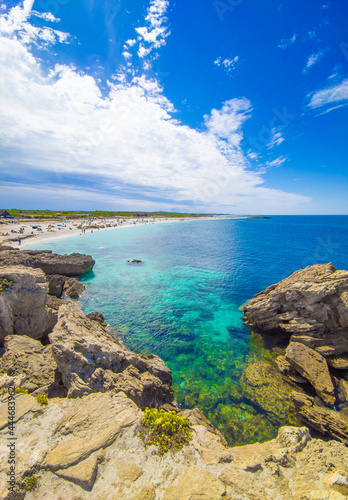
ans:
(184, 302)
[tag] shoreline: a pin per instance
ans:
(27, 233)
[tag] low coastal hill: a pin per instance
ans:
(80, 402)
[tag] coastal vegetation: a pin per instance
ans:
(73, 214)
(165, 429)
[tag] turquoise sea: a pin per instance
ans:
(184, 302)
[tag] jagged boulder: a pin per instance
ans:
(312, 302)
(55, 284)
(23, 299)
(73, 288)
(91, 360)
(313, 367)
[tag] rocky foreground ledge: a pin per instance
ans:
(311, 308)
(85, 443)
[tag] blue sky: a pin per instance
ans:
(227, 106)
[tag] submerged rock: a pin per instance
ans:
(264, 387)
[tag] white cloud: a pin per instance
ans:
(330, 95)
(228, 64)
(154, 34)
(277, 162)
(313, 59)
(16, 24)
(58, 125)
(226, 123)
(276, 139)
(287, 42)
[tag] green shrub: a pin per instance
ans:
(167, 430)
(42, 399)
(30, 483)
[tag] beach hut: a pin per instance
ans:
(5, 214)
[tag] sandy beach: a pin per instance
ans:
(21, 234)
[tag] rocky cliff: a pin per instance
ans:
(311, 307)
(78, 395)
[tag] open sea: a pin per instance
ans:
(184, 301)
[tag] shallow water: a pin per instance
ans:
(184, 301)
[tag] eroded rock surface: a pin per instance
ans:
(312, 301)
(91, 360)
(23, 302)
(74, 264)
(90, 449)
(328, 422)
(28, 358)
(313, 367)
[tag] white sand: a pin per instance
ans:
(12, 231)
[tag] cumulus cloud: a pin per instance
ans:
(61, 135)
(154, 34)
(226, 123)
(336, 94)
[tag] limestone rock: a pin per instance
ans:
(73, 288)
(83, 474)
(264, 387)
(313, 367)
(338, 362)
(55, 284)
(312, 301)
(28, 357)
(95, 421)
(91, 360)
(23, 303)
(96, 316)
(288, 371)
(74, 264)
(328, 422)
(196, 483)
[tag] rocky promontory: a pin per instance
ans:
(310, 308)
(78, 398)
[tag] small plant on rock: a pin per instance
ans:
(30, 483)
(20, 390)
(166, 429)
(42, 399)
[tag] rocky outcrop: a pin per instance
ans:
(23, 303)
(74, 264)
(313, 367)
(89, 448)
(27, 358)
(312, 302)
(311, 306)
(91, 360)
(328, 422)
